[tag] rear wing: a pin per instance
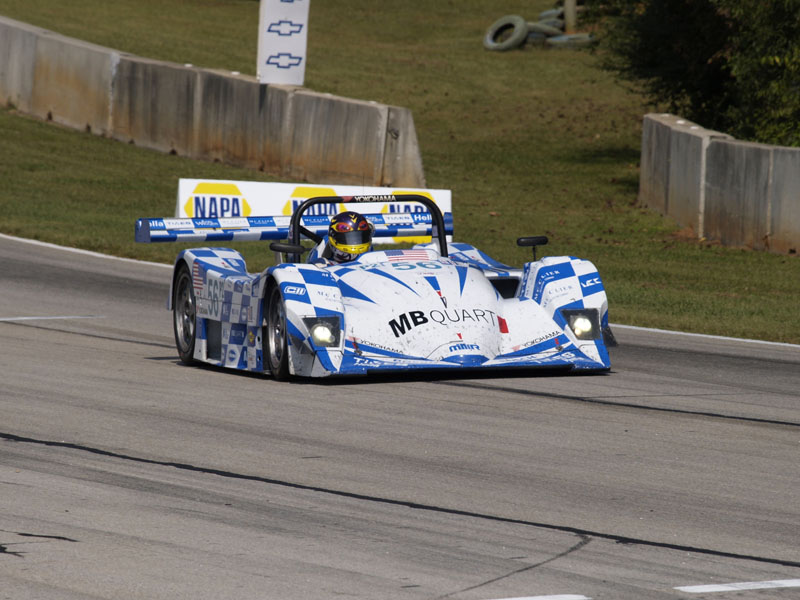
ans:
(248, 229)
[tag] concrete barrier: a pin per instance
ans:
(72, 83)
(153, 105)
(207, 114)
(687, 172)
(784, 198)
(328, 136)
(402, 161)
(231, 136)
(737, 193)
(654, 162)
(17, 62)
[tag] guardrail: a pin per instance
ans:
(290, 131)
(737, 193)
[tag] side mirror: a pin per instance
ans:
(536, 240)
(294, 251)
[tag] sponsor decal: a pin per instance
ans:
(365, 362)
(357, 342)
(176, 224)
(294, 290)
(371, 198)
(285, 27)
(396, 218)
(462, 346)
(591, 284)
(302, 193)
(236, 336)
(548, 274)
(407, 321)
(553, 335)
(211, 200)
(404, 322)
(284, 60)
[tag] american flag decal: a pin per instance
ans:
(197, 276)
(398, 255)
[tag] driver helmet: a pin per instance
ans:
(349, 236)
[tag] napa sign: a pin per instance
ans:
(214, 199)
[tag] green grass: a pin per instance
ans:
(530, 142)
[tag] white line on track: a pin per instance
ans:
(737, 587)
(4, 319)
(556, 597)
(80, 251)
(702, 335)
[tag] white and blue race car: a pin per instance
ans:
(436, 306)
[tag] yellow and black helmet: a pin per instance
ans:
(349, 236)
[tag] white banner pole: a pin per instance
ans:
(282, 36)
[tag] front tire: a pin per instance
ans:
(184, 319)
(275, 335)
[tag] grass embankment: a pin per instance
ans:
(530, 142)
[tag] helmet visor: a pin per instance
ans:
(353, 242)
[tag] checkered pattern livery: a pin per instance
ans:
(399, 310)
(249, 229)
(395, 310)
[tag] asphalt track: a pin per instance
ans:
(124, 474)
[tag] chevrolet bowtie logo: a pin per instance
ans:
(285, 28)
(284, 60)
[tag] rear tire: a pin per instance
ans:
(275, 334)
(184, 315)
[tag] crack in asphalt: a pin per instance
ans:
(598, 401)
(585, 539)
(583, 533)
(4, 547)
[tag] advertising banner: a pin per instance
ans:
(214, 198)
(282, 35)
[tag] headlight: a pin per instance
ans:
(324, 331)
(584, 322)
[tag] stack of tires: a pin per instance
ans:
(513, 31)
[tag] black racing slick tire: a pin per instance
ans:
(506, 33)
(184, 314)
(277, 355)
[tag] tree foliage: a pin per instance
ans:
(730, 65)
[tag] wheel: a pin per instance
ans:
(506, 33)
(183, 314)
(275, 335)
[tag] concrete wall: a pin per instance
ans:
(784, 200)
(737, 193)
(17, 62)
(207, 114)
